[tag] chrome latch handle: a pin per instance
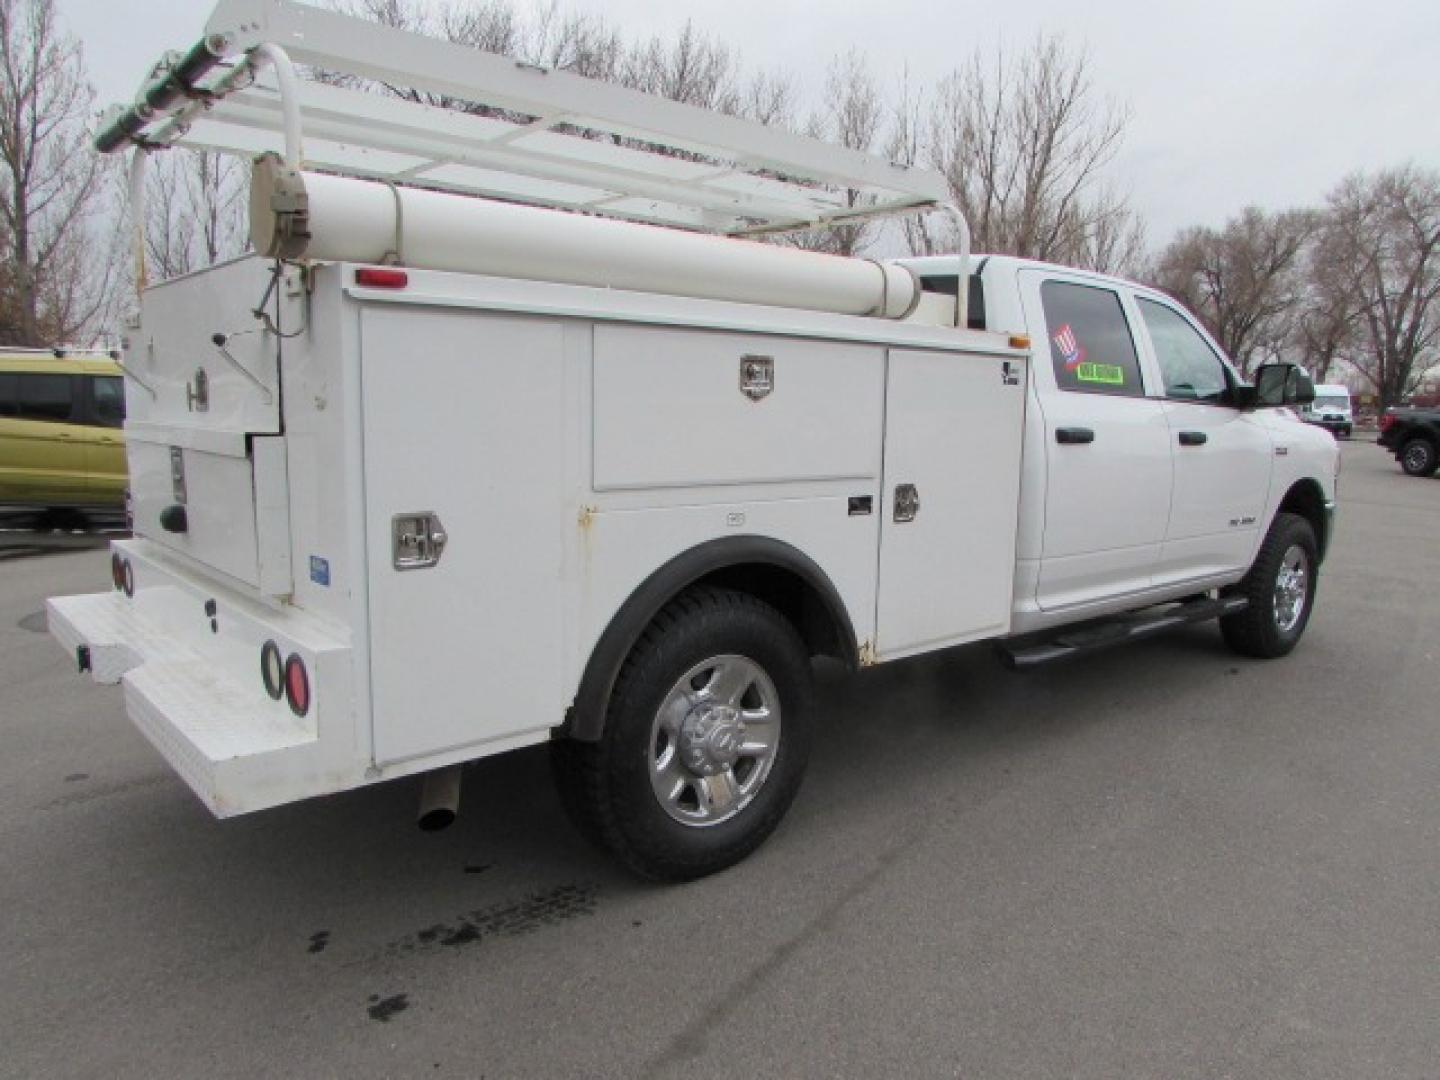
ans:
(907, 503)
(417, 540)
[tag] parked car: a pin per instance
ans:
(62, 453)
(1413, 436)
(1331, 410)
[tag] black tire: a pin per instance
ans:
(1260, 630)
(606, 786)
(1418, 457)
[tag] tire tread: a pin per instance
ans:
(585, 771)
(1252, 632)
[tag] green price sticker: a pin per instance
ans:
(1109, 374)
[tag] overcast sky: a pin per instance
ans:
(1233, 101)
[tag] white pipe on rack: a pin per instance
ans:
(962, 242)
(279, 59)
(343, 219)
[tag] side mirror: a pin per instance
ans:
(1280, 385)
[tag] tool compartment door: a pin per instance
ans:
(952, 438)
(462, 415)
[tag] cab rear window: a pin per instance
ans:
(34, 396)
(1091, 347)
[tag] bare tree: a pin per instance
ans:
(694, 68)
(1323, 330)
(852, 116)
(50, 180)
(1382, 237)
(195, 211)
(582, 44)
(906, 146)
(1244, 281)
(1023, 143)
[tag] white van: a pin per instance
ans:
(1331, 410)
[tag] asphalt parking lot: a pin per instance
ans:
(1159, 861)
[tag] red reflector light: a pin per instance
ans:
(297, 685)
(382, 277)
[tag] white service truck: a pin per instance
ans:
(436, 476)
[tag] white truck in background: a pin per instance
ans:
(1331, 409)
(441, 476)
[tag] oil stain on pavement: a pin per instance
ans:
(383, 1009)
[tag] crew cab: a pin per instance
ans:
(433, 477)
(1413, 436)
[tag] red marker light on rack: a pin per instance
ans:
(381, 277)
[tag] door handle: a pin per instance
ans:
(1074, 435)
(1193, 438)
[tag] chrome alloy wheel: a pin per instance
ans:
(714, 740)
(1417, 456)
(1292, 588)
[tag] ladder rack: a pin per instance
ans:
(537, 136)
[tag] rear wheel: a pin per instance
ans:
(1419, 458)
(1281, 589)
(705, 743)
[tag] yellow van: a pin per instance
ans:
(62, 453)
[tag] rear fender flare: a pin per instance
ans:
(585, 719)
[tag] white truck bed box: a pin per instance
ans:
(570, 440)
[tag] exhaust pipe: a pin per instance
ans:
(439, 799)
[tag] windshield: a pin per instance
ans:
(1332, 401)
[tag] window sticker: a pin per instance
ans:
(1109, 374)
(1091, 348)
(1070, 348)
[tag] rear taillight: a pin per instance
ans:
(297, 685)
(1386, 420)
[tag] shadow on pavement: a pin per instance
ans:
(26, 543)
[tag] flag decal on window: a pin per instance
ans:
(1070, 349)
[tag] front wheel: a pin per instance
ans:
(706, 739)
(1281, 589)
(1418, 457)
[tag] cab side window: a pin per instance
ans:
(1091, 347)
(1191, 369)
(107, 397)
(39, 397)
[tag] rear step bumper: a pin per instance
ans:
(1030, 651)
(187, 653)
